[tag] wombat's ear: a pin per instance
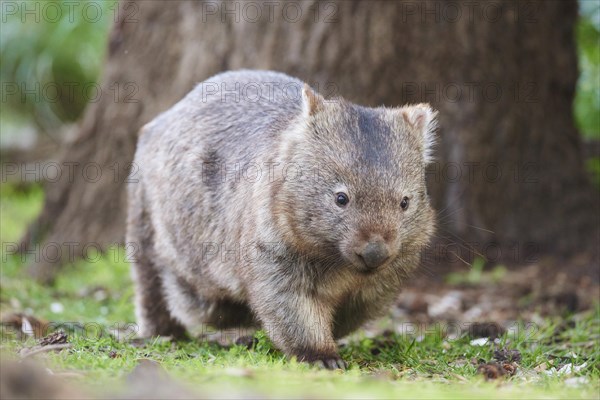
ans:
(312, 101)
(422, 118)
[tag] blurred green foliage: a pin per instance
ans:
(477, 275)
(587, 98)
(51, 53)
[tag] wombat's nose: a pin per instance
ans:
(374, 254)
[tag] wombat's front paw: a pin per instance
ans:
(329, 361)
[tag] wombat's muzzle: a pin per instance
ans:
(374, 254)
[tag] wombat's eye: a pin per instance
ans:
(341, 199)
(404, 203)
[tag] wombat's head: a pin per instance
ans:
(361, 201)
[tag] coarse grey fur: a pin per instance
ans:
(233, 211)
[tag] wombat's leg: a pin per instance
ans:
(151, 309)
(298, 324)
(364, 305)
(350, 317)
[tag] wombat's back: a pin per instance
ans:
(187, 159)
(233, 109)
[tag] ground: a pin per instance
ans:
(522, 332)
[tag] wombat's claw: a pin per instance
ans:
(330, 363)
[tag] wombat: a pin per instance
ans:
(257, 202)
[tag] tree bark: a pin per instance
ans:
(510, 182)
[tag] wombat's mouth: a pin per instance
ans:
(362, 268)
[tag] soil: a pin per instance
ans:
(487, 307)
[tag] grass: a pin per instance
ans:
(96, 295)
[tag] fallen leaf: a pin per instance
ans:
(491, 370)
(58, 337)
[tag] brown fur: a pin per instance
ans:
(311, 278)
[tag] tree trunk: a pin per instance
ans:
(509, 182)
